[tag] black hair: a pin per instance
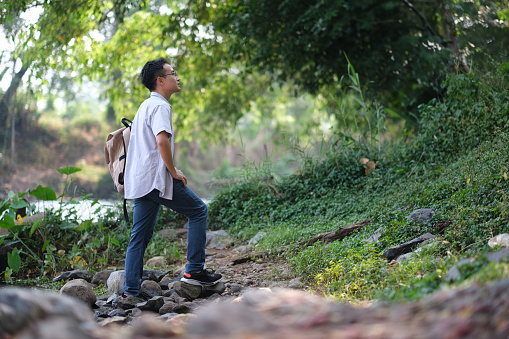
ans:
(152, 70)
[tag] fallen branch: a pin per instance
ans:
(325, 238)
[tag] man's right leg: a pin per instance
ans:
(144, 219)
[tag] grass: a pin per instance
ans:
(457, 169)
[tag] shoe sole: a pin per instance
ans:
(198, 283)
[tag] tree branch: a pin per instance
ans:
(421, 16)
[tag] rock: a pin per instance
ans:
(127, 303)
(501, 240)
(80, 289)
(76, 274)
(421, 215)
(168, 307)
(116, 282)
(43, 315)
(242, 249)
(153, 304)
(188, 291)
(378, 233)
(396, 251)
(101, 277)
(192, 292)
(208, 291)
(296, 283)
(164, 283)
(156, 261)
(256, 239)
(150, 289)
(114, 320)
(153, 275)
(218, 239)
(235, 287)
(498, 255)
(454, 272)
(117, 312)
(405, 256)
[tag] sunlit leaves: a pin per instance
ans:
(44, 193)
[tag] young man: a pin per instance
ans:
(151, 179)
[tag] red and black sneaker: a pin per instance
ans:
(206, 277)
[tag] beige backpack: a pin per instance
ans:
(115, 152)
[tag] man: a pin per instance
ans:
(151, 179)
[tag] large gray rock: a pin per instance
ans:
(158, 261)
(150, 289)
(44, 315)
(153, 304)
(101, 277)
(218, 239)
(76, 274)
(256, 239)
(422, 215)
(192, 292)
(499, 240)
(407, 247)
(80, 289)
(116, 282)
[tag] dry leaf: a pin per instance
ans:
(364, 161)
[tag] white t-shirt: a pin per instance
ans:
(145, 169)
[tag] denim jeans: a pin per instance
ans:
(145, 214)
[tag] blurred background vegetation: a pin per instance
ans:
(262, 80)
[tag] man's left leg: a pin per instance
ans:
(144, 219)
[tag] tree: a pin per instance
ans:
(403, 48)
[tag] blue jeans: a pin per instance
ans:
(145, 214)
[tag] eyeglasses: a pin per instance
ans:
(172, 73)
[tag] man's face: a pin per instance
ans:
(170, 83)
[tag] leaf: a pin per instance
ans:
(84, 225)
(44, 193)
(392, 113)
(17, 204)
(2, 240)
(7, 222)
(115, 241)
(34, 226)
(14, 260)
(364, 161)
(46, 243)
(67, 170)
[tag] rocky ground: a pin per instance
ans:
(256, 299)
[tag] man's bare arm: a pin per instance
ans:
(164, 146)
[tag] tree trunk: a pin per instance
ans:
(451, 35)
(7, 109)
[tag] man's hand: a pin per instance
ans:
(180, 176)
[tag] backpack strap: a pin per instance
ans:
(126, 216)
(127, 123)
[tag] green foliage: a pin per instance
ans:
(468, 188)
(473, 110)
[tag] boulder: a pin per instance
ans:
(116, 282)
(500, 240)
(150, 289)
(153, 304)
(218, 239)
(256, 239)
(156, 261)
(80, 289)
(76, 274)
(101, 277)
(43, 315)
(407, 247)
(422, 215)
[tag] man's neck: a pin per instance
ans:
(166, 96)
